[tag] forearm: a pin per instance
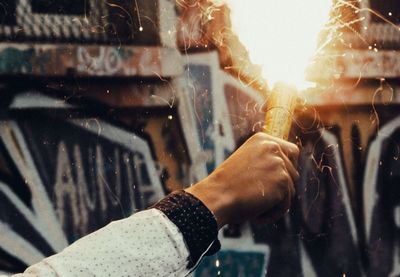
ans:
(167, 240)
(141, 245)
(172, 237)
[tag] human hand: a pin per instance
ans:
(256, 179)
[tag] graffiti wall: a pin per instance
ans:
(69, 167)
(107, 106)
(65, 174)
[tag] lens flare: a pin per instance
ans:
(281, 36)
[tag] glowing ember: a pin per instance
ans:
(281, 36)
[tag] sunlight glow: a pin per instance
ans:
(281, 36)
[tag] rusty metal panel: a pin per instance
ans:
(137, 22)
(356, 64)
(88, 60)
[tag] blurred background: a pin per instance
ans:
(107, 106)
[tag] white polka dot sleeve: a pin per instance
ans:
(144, 244)
(167, 240)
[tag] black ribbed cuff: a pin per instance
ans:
(196, 222)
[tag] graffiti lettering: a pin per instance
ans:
(106, 61)
(76, 197)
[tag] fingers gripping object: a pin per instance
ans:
(281, 104)
(278, 119)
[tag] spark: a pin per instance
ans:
(96, 121)
(381, 90)
(280, 36)
(138, 16)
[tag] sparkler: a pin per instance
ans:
(281, 105)
(281, 36)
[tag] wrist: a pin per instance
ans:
(218, 201)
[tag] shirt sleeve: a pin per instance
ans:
(168, 239)
(196, 222)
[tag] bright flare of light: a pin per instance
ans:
(280, 35)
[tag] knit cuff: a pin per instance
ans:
(195, 221)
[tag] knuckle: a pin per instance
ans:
(285, 177)
(281, 164)
(273, 146)
(295, 150)
(260, 136)
(278, 163)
